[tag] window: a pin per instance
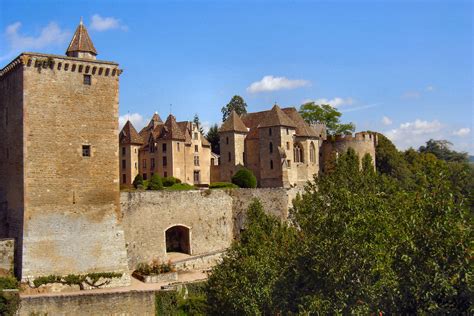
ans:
(196, 177)
(271, 147)
(135, 150)
(229, 156)
(227, 140)
(86, 150)
(196, 148)
(196, 160)
(152, 163)
(124, 164)
(312, 153)
(165, 161)
(136, 166)
(270, 131)
(144, 176)
(163, 147)
(288, 163)
(271, 164)
(212, 161)
(165, 174)
(297, 153)
(124, 178)
(287, 145)
(196, 136)
(177, 145)
(87, 80)
(123, 150)
(287, 131)
(144, 163)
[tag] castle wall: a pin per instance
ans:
(71, 201)
(11, 156)
(7, 247)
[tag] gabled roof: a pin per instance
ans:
(81, 42)
(171, 130)
(129, 135)
(233, 124)
(302, 128)
(276, 117)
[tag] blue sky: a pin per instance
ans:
(404, 68)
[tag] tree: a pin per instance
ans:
(236, 104)
(325, 113)
(389, 161)
(244, 178)
(213, 138)
(198, 123)
(441, 149)
(155, 183)
(138, 181)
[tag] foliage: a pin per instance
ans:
(242, 284)
(244, 178)
(222, 185)
(198, 123)
(389, 161)
(154, 268)
(9, 303)
(155, 183)
(325, 113)
(190, 300)
(180, 187)
(213, 138)
(138, 181)
(8, 282)
(81, 280)
(169, 181)
(364, 243)
(441, 149)
(236, 104)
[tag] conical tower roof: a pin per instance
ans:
(171, 129)
(276, 117)
(129, 135)
(233, 124)
(81, 43)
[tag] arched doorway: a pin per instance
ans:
(177, 239)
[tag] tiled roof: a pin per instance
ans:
(81, 42)
(233, 124)
(129, 135)
(171, 129)
(276, 117)
(302, 128)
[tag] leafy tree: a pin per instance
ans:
(325, 113)
(213, 138)
(389, 161)
(243, 283)
(244, 178)
(441, 149)
(155, 183)
(237, 104)
(138, 181)
(198, 123)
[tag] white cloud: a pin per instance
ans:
(386, 120)
(50, 35)
(416, 133)
(105, 23)
(135, 118)
(270, 83)
(462, 132)
(430, 88)
(411, 95)
(335, 102)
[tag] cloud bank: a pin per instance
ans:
(270, 83)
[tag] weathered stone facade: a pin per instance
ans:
(7, 247)
(59, 176)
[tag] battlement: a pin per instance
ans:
(357, 137)
(63, 63)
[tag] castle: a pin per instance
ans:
(61, 167)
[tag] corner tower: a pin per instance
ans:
(232, 136)
(59, 178)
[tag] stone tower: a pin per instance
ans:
(232, 136)
(59, 178)
(130, 143)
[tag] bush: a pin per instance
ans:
(155, 183)
(244, 178)
(9, 303)
(138, 181)
(222, 185)
(8, 282)
(154, 268)
(180, 187)
(169, 181)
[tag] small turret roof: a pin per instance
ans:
(81, 42)
(233, 124)
(129, 135)
(276, 117)
(171, 129)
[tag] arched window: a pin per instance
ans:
(297, 153)
(312, 153)
(177, 239)
(271, 147)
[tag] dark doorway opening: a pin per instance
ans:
(177, 239)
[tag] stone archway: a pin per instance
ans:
(178, 239)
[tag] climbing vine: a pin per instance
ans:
(81, 280)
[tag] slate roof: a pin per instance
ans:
(233, 124)
(129, 135)
(171, 130)
(302, 128)
(81, 42)
(276, 117)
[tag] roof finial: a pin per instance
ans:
(80, 22)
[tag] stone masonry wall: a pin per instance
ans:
(6, 256)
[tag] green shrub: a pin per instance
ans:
(138, 181)
(155, 183)
(244, 178)
(169, 181)
(180, 187)
(8, 282)
(9, 303)
(155, 267)
(145, 185)
(222, 185)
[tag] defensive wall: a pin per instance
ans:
(214, 218)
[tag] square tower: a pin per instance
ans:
(59, 179)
